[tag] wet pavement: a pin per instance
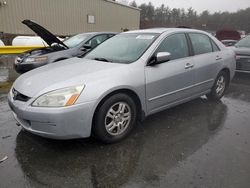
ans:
(200, 144)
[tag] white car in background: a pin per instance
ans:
(30, 41)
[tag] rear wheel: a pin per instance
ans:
(219, 87)
(115, 118)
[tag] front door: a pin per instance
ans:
(170, 82)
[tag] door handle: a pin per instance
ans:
(218, 58)
(189, 65)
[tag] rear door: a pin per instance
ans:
(170, 82)
(208, 60)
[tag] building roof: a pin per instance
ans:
(121, 4)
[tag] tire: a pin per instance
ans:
(114, 118)
(220, 85)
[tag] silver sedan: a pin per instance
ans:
(128, 77)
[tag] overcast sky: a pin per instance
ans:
(201, 5)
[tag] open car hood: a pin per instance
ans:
(47, 36)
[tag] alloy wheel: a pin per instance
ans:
(220, 85)
(118, 118)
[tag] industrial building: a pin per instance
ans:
(66, 17)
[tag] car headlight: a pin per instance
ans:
(59, 98)
(36, 59)
(18, 60)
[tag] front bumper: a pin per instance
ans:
(56, 123)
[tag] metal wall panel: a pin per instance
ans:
(67, 17)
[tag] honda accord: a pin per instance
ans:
(123, 80)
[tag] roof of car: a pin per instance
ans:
(161, 30)
(98, 33)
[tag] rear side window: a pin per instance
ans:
(175, 44)
(201, 43)
(215, 47)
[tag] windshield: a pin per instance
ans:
(73, 41)
(245, 42)
(123, 48)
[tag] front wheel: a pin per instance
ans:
(114, 119)
(219, 87)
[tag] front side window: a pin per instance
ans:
(123, 48)
(201, 43)
(73, 41)
(176, 45)
(97, 40)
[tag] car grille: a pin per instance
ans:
(19, 97)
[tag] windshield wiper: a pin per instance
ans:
(102, 59)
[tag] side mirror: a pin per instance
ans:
(86, 46)
(160, 57)
(83, 49)
(56, 46)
